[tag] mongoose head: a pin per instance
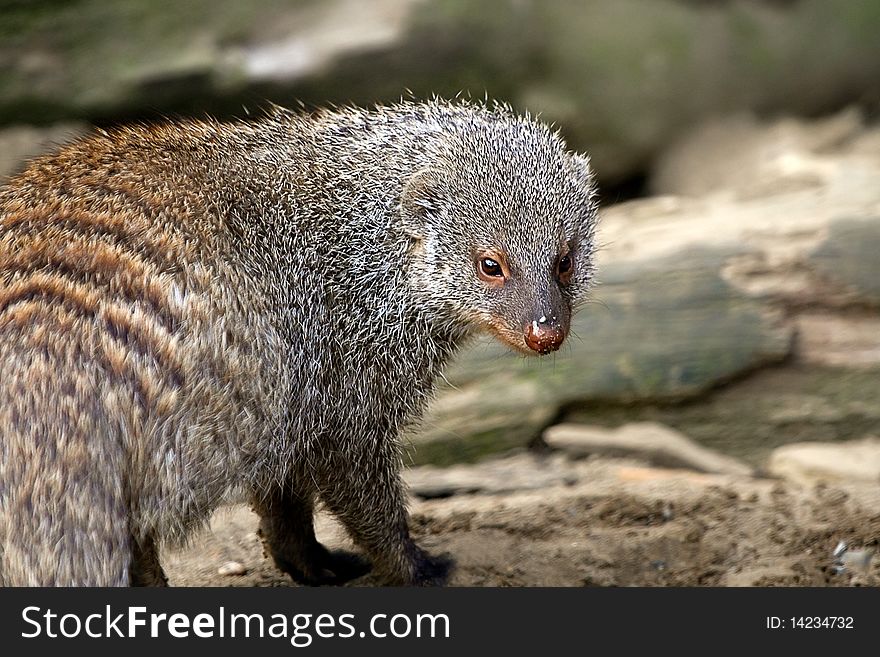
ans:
(503, 223)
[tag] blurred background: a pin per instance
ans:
(735, 329)
(622, 78)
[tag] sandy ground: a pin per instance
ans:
(614, 522)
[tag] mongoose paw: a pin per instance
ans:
(326, 568)
(433, 570)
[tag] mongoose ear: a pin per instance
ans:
(580, 165)
(421, 196)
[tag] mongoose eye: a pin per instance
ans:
(564, 268)
(490, 268)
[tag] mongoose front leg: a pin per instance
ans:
(288, 533)
(145, 568)
(373, 510)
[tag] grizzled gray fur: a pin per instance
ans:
(199, 312)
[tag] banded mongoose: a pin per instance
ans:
(199, 312)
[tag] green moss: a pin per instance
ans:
(469, 449)
(859, 19)
(751, 40)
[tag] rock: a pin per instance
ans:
(232, 568)
(743, 156)
(750, 417)
(857, 560)
(514, 473)
(826, 272)
(849, 340)
(659, 445)
(848, 258)
(807, 463)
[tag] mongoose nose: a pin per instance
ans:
(544, 338)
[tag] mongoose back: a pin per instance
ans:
(200, 312)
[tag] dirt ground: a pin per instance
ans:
(612, 522)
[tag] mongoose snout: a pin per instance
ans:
(201, 312)
(543, 336)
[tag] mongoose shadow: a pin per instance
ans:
(199, 312)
